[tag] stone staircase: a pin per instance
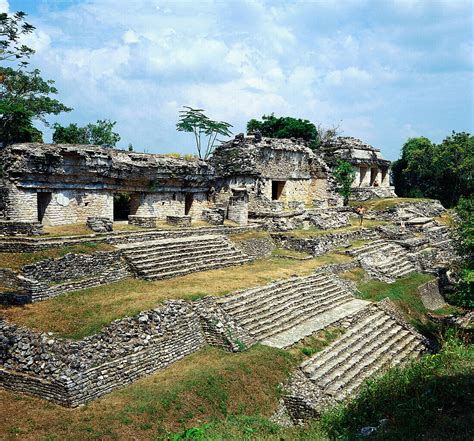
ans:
(384, 260)
(372, 344)
(162, 259)
(284, 312)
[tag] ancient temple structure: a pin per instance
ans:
(371, 170)
(57, 184)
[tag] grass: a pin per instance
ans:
(282, 252)
(431, 399)
(315, 343)
(384, 203)
(86, 312)
(216, 396)
(206, 386)
(249, 235)
(16, 261)
(403, 292)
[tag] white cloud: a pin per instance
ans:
(4, 7)
(366, 63)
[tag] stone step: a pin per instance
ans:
(296, 316)
(271, 297)
(264, 297)
(157, 259)
(252, 295)
(179, 244)
(331, 356)
(314, 324)
(376, 246)
(189, 263)
(294, 297)
(201, 267)
(406, 349)
(353, 359)
(346, 340)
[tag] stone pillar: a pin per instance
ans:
(238, 210)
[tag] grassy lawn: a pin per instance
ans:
(85, 312)
(248, 235)
(16, 260)
(383, 203)
(206, 386)
(282, 252)
(403, 292)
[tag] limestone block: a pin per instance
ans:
(179, 221)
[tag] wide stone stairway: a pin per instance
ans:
(373, 343)
(161, 259)
(284, 312)
(386, 258)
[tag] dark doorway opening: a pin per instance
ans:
(277, 189)
(121, 206)
(373, 175)
(188, 203)
(43, 198)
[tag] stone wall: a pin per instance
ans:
(15, 228)
(256, 247)
(52, 277)
(74, 372)
(319, 245)
(29, 244)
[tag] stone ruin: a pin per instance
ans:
(258, 183)
(58, 184)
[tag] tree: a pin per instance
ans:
(24, 95)
(196, 122)
(463, 294)
(440, 171)
(285, 127)
(11, 29)
(100, 133)
(344, 176)
(17, 125)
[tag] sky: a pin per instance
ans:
(382, 70)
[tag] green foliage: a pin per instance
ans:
(100, 133)
(12, 28)
(130, 147)
(285, 127)
(196, 122)
(16, 125)
(440, 171)
(463, 294)
(24, 95)
(427, 399)
(344, 176)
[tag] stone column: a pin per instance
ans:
(238, 210)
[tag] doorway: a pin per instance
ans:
(121, 206)
(277, 189)
(43, 200)
(188, 203)
(373, 175)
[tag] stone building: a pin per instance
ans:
(57, 184)
(372, 177)
(275, 172)
(62, 184)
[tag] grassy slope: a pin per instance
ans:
(85, 312)
(209, 385)
(383, 203)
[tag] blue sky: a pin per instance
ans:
(383, 70)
